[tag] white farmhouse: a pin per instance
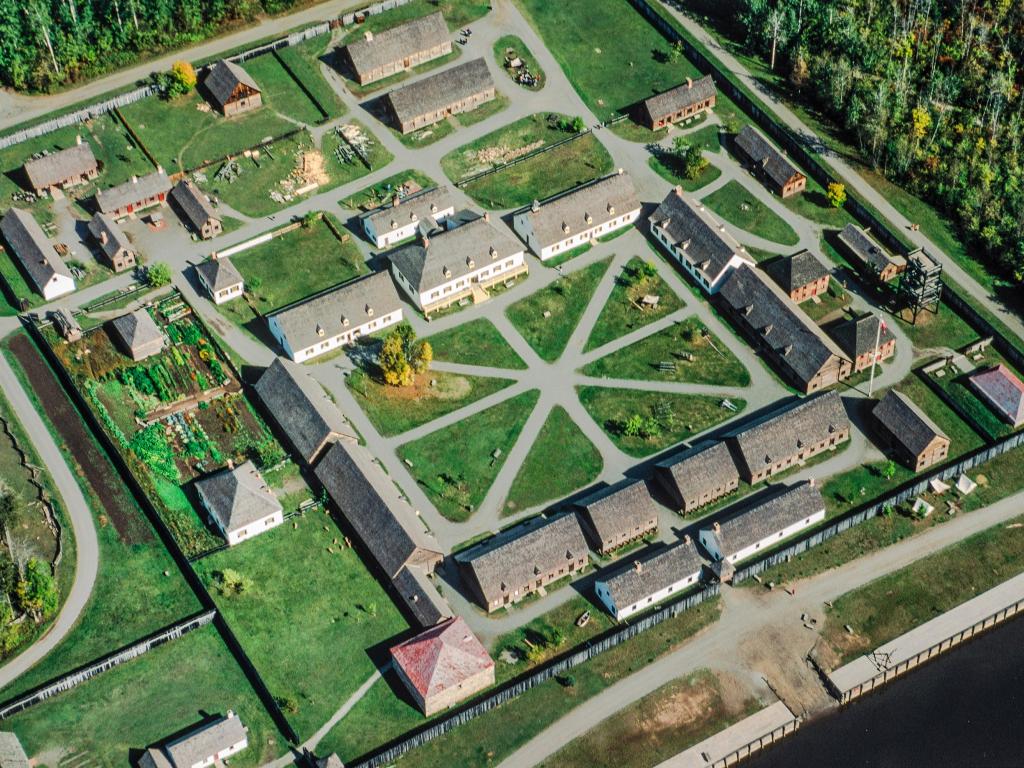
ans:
(572, 219)
(212, 742)
(445, 267)
(699, 242)
(221, 279)
(336, 317)
(391, 224)
(650, 580)
(239, 502)
(748, 531)
(38, 258)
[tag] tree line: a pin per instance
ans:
(47, 44)
(929, 90)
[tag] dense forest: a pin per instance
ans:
(930, 91)
(46, 44)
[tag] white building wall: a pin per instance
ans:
(483, 272)
(524, 228)
(330, 343)
(229, 293)
(255, 529)
(624, 612)
(58, 285)
(404, 232)
(708, 283)
(775, 538)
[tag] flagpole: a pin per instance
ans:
(874, 357)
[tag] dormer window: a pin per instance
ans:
(588, 218)
(611, 209)
(686, 245)
(470, 263)
(319, 330)
(369, 311)
(433, 207)
(413, 216)
(494, 252)
(565, 227)
(394, 224)
(787, 350)
(768, 329)
(344, 322)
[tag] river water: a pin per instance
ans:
(963, 709)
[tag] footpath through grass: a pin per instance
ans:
(561, 443)
(624, 312)
(742, 209)
(456, 465)
(477, 342)
(547, 318)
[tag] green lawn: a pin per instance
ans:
(623, 312)
(304, 61)
(477, 342)
(610, 53)
(564, 302)
(712, 362)
(394, 410)
(280, 91)
(381, 192)
(499, 103)
(662, 724)
(741, 208)
(962, 438)
(560, 443)
(662, 166)
(457, 464)
(960, 392)
(311, 603)
(830, 304)
(677, 417)
(515, 139)
(813, 204)
(145, 700)
(542, 176)
(519, 49)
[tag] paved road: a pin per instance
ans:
(87, 552)
(748, 612)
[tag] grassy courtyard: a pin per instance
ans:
(662, 165)
(310, 602)
(667, 418)
(742, 209)
(560, 443)
(456, 465)
(280, 91)
(540, 177)
(547, 318)
(477, 342)
(624, 311)
(382, 192)
(305, 60)
(684, 352)
(507, 43)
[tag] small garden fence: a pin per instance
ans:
(104, 663)
(548, 671)
(529, 156)
(371, 10)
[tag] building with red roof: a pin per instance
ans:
(1003, 391)
(444, 665)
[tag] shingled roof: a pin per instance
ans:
(796, 271)
(618, 509)
(419, 207)
(690, 474)
(441, 658)
(516, 557)
(451, 254)
(219, 273)
(193, 204)
(301, 408)
(679, 98)
(749, 525)
(238, 497)
(766, 156)
(108, 234)
(778, 322)
(652, 573)
(398, 43)
(1003, 390)
(790, 429)
(54, 167)
(906, 423)
(866, 249)
(354, 301)
(32, 248)
(582, 208)
(420, 596)
(856, 336)
(137, 329)
(449, 86)
(206, 741)
(222, 79)
(133, 191)
(689, 226)
(369, 502)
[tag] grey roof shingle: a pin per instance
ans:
(219, 273)
(369, 501)
(301, 408)
(137, 329)
(238, 497)
(690, 226)
(421, 596)
(790, 429)
(397, 43)
(116, 239)
(907, 423)
(763, 154)
(679, 98)
(702, 469)
(419, 207)
(601, 200)
(352, 301)
(436, 92)
(205, 742)
(778, 322)
(652, 573)
(222, 79)
(866, 249)
(750, 525)
(451, 254)
(515, 558)
(133, 191)
(32, 248)
(54, 167)
(619, 509)
(856, 336)
(796, 271)
(193, 203)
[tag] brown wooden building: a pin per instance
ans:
(618, 515)
(230, 89)
(857, 336)
(458, 89)
(801, 275)
(64, 168)
(905, 428)
(869, 256)
(382, 54)
(680, 103)
(778, 173)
